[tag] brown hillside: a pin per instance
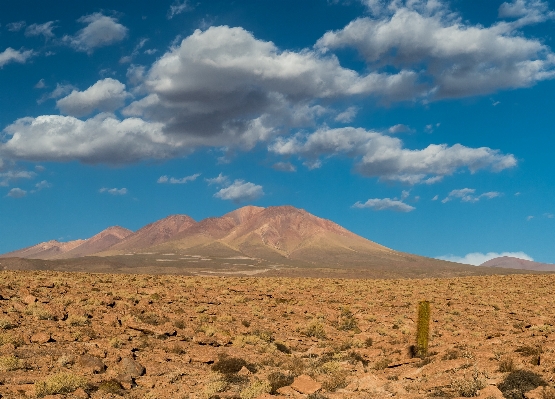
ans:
(44, 250)
(155, 233)
(515, 263)
(99, 242)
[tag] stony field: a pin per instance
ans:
(79, 335)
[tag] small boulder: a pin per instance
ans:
(131, 367)
(92, 364)
(41, 338)
(305, 384)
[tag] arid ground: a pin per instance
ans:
(80, 335)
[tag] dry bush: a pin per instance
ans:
(278, 380)
(334, 376)
(229, 365)
(15, 340)
(6, 324)
(507, 364)
(517, 383)
(451, 354)
(347, 321)
(469, 387)
(382, 364)
(61, 383)
(315, 329)
(152, 318)
(255, 389)
(76, 321)
(111, 386)
(10, 363)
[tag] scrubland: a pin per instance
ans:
(80, 335)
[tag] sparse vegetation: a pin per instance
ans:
(61, 383)
(518, 382)
(10, 363)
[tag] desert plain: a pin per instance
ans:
(92, 335)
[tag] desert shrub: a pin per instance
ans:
(295, 365)
(15, 340)
(347, 321)
(246, 323)
(214, 385)
(315, 329)
(316, 395)
(353, 357)
(529, 350)
(152, 318)
(282, 348)
(179, 324)
(451, 354)
(382, 364)
(61, 383)
(77, 320)
(278, 380)
(5, 324)
(111, 386)
(10, 363)
(368, 342)
(334, 376)
(469, 387)
(264, 335)
(40, 312)
(506, 364)
(518, 382)
(229, 365)
(255, 389)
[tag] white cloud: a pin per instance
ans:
(528, 218)
(477, 258)
(219, 180)
(42, 185)
(548, 215)
(103, 138)
(399, 128)
(40, 84)
(17, 193)
(451, 57)
(385, 204)
(526, 11)
(224, 87)
(60, 91)
(178, 7)
(347, 116)
(436, 197)
(11, 55)
(240, 191)
(41, 29)
(100, 31)
(383, 156)
(113, 191)
(12, 175)
(467, 195)
(105, 95)
(16, 26)
(284, 167)
(173, 180)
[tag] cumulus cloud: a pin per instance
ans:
(40, 84)
(10, 55)
(60, 91)
(113, 191)
(173, 180)
(284, 167)
(383, 156)
(218, 180)
(44, 30)
(451, 57)
(526, 11)
(347, 116)
(240, 191)
(468, 195)
(100, 31)
(17, 193)
(178, 7)
(42, 185)
(477, 258)
(380, 204)
(399, 128)
(103, 138)
(105, 95)
(12, 175)
(224, 87)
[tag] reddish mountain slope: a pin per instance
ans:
(155, 233)
(45, 250)
(99, 242)
(509, 262)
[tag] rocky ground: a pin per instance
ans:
(79, 335)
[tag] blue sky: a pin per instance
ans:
(425, 126)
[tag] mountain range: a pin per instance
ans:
(250, 239)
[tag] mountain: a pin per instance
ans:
(274, 241)
(99, 242)
(154, 233)
(73, 249)
(44, 250)
(509, 262)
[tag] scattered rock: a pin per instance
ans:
(29, 299)
(131, 367)
(305, 384)
(41, 338)
(92, 364)
(491, 392)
